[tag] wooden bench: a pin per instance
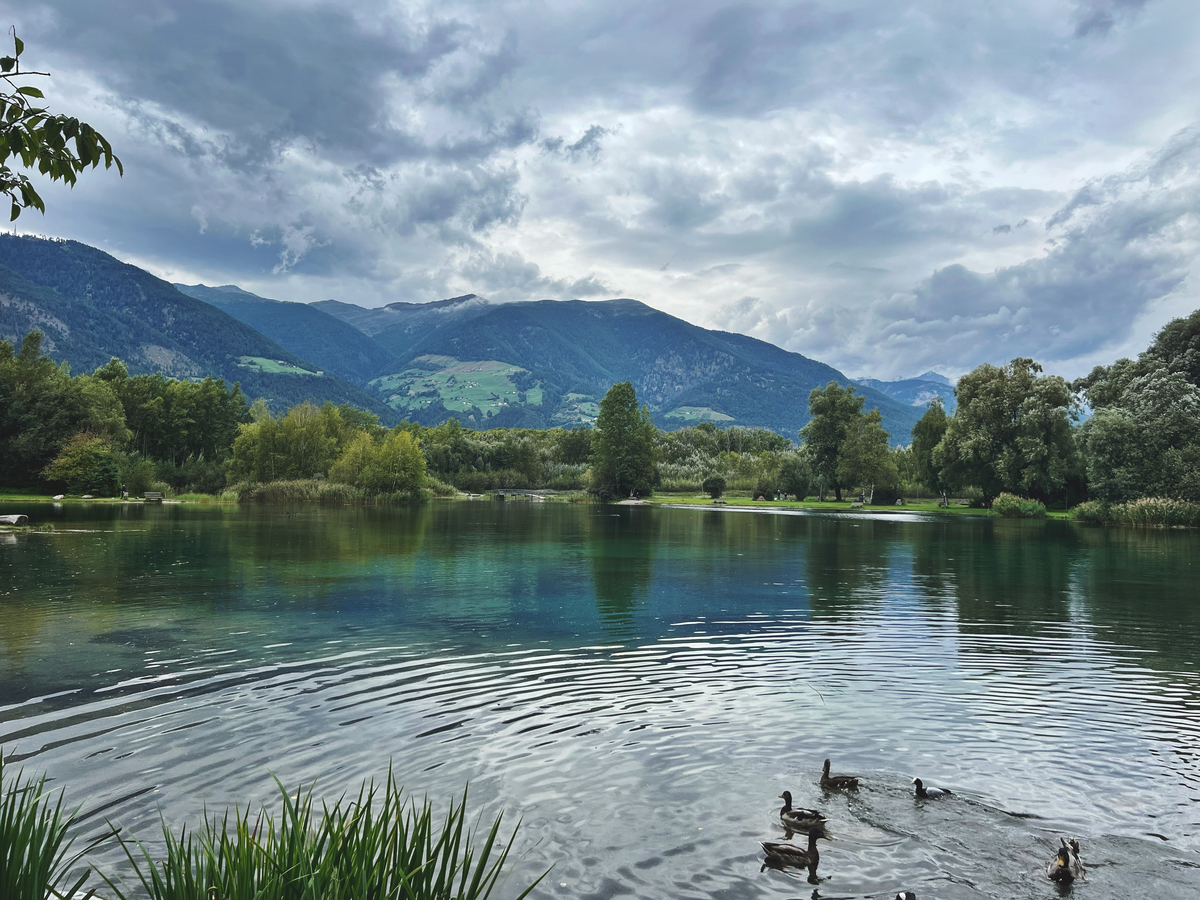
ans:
(153, 495)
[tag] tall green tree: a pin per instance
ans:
(835, 411)
(863, 458)
(623, 449)
(59, 147)
(926, 435)
(41, 407)
(1011, 432)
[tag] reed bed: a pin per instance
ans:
(1158, 512)
(378, 845)
(35, 852)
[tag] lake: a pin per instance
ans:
(636, 684)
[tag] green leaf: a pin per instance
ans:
(20, 45)
(30, 91)
(7, 63)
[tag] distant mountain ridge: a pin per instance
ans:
(567, 353)
(324, 340)
(92, 307)
(532, 364)
(919, 391)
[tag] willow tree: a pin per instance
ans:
(1011, 432)
(623, 449)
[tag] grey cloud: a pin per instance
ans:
(509, 276)
(866, 177)
(1123, 243)
(588, 144)
(756, 58)
(1097, 17)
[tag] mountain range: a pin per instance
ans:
(530, 364)
(919, 391)
(92, 307)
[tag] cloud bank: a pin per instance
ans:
(885, 187)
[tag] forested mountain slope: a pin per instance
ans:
(326, 341)
(567, 353)
(92, 307)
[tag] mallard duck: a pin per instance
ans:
(930, 793)
(790, 855)
(800, 819)
(836, 782)
(1066, 865)
(906, 895)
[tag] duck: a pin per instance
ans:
(1066, 865)
(906, 895)
(836, 782)
(930, 793)
(790, 855)
(799, 819)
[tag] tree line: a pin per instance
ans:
(1015, 431)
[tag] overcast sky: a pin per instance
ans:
(885, 186)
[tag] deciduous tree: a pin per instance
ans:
(834, 410)
(623, 450)
(57, 146)
(1011, 432)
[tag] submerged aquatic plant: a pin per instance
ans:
(35, 860)
(376, 845)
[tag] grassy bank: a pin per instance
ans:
(812, 503)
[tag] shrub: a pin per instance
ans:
(1093, 512)
(714, 486)
(765, 487)
(1011, 506)
(86, 464)
(440, 488)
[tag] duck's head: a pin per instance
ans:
(786, 797)
(1064, 856)
(825, 769)
(918, 783)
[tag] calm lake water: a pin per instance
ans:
(636, 684)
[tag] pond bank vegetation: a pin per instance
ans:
(378, 843)
(1017, 438)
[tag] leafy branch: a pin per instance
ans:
(41, 140)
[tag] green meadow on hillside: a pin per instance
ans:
(487, 385)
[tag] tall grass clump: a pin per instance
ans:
(1155, 512)
(1013, 507)
(377, 845)
(35, 859)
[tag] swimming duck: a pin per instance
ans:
(800, 819)
(930, 793)
(836, 782)
(1066, 865)
(791, 855)
(906, 895)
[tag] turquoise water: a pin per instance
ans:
(636, 684)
